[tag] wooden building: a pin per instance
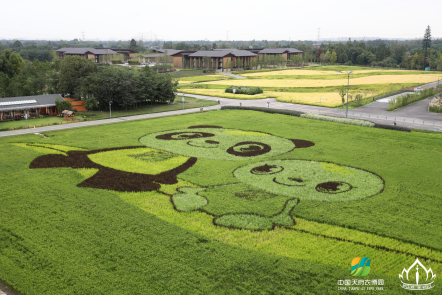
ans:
(218, 59)
(160, 56)
(287, 53)
(98, 55)
(34, 106)
(127, 53)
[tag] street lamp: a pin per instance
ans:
(110, 109)
(320, 104)
(347, 92)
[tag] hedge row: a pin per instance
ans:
(392, 127)
(298, 114)
(265, 110)
(338, 120)
(250, 91)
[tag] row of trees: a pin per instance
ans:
(125, 87)
(19, 77)
(83, 79)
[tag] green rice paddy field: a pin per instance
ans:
(242, 202)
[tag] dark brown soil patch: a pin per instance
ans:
(300, 143)
(108, 178)
(250, 149)
(184, 135)
(204, 126)
(333, 187)
(266, 169)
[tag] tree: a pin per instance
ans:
(207, 62)
(132, 44)
(17, 45)
(72, 70)
(333, 57)
(239, 62)
(342, 93)
(317, 55)
(426, 44)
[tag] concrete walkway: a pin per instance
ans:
(425, 120)
(100, 122)
(232, 75)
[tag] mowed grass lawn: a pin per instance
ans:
(58, 238)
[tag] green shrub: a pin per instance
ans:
(133, 61)
(392, 127)
(91, 103)
(338, 120)
(249, 91)
(116, 61)
(435, 109)
(406, 99)
(62, 105)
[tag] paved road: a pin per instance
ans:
(420, 118)
(412, 116)
(100, 122)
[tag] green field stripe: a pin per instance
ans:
(367, 239)
(281, 241)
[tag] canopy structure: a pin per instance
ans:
(39, 104)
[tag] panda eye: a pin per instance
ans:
(333, 187)
(249, 149)
(267, 169)
(184, 135)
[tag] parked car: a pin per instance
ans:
(418, 89)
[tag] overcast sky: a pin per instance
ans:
(218, 20)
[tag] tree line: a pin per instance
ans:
(83, 79)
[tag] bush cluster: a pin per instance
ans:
(62, 105)
(392, 127)
(406, 99)
(250, 91)
(338, 120)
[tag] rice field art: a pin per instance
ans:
(161, 206)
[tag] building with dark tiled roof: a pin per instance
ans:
(219, 58)
(287, 53)
(97, 55)
(13, 107)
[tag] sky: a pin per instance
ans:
(218, 20)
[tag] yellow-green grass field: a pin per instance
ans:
(311, 98)
(310, 72)
(379, 79)
(187, 80)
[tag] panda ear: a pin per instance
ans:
(300, 143)
(204, 126)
